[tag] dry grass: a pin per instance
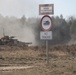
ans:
(19, 53)
(60, 62)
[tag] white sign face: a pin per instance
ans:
(46, 35)
(46, 9)
(46, 23)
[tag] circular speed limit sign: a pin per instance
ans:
(46, 23)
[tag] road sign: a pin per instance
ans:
(46, 35)
(46, 23)
(45, 9)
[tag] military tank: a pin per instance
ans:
(10, 40)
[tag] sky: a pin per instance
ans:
(30, 8)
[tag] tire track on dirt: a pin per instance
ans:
(15, 68)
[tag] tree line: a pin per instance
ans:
(64, 30)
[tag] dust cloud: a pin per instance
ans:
(17, 27)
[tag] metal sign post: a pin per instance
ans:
(47, 53)
(46, 25)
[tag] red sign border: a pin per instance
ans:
(50, 25)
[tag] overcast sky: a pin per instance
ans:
(30, 8)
